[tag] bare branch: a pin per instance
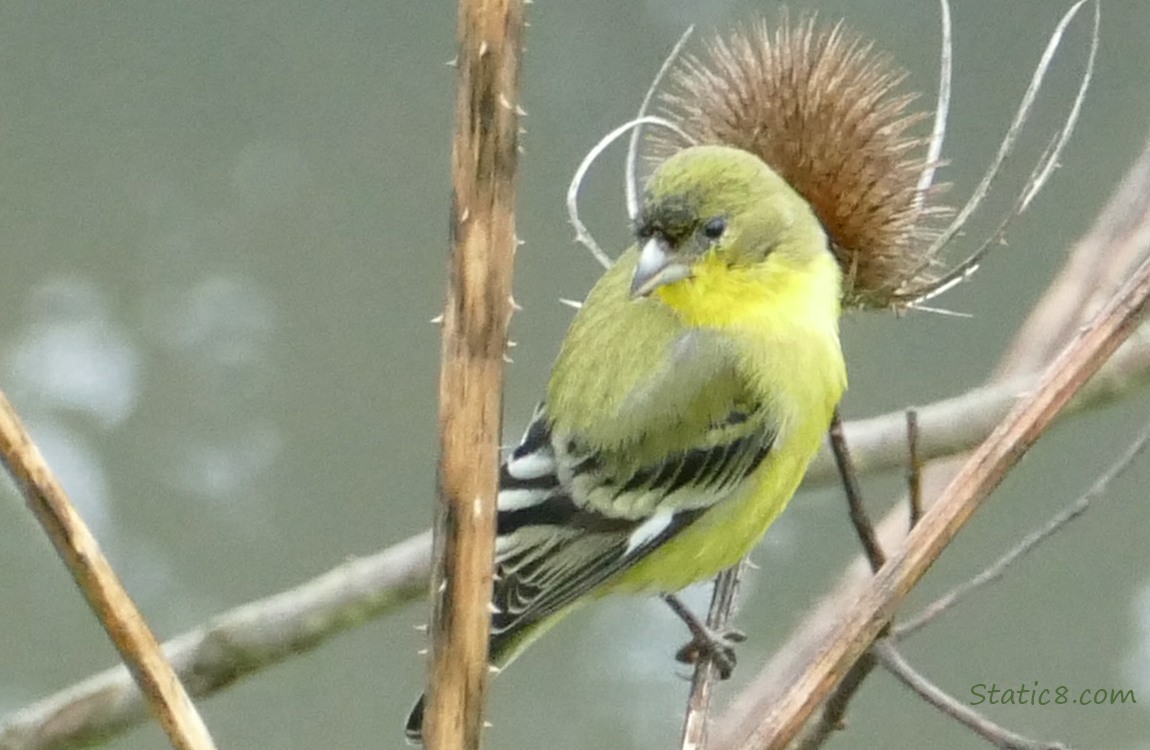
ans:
(275, 628)
(233, 645)
(953, 425)
(981, 474)
(859, 518)
(1100, 262)
(269, 630)
(996, 735)
(100, 585)
(832, 717)
(995, 571)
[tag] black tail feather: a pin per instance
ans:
(413, 730)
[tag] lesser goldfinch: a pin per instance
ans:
(693, 388)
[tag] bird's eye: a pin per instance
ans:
(714, 228)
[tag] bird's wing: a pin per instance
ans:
(554, 545)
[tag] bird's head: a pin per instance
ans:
(711, 211)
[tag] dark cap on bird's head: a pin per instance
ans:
(702, 196)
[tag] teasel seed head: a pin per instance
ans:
(827, 111)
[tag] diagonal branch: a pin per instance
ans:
(100, 585)
(232, 646)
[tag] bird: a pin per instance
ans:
(693, 388)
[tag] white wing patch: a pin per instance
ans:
(531, 465)
(649, 529)
(518, 499)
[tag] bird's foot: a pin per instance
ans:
(706, 643)
(718, 646)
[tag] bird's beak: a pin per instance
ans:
(658, 265)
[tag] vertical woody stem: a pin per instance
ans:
(483, 165)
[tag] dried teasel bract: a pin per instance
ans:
(827, 111)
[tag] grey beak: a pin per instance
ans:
(658, 265)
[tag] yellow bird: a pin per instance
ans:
(691, 392)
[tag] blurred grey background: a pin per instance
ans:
(223, 229)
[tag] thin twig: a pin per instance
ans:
(833, 714)
(484, 163)
(99, 584)
(914, 467)
(1004, 739)
(858, 514)
(995, 571)
(722, 610)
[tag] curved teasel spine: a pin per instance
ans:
(829, 112)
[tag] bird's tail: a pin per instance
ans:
(413, 729)
(504, 647)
